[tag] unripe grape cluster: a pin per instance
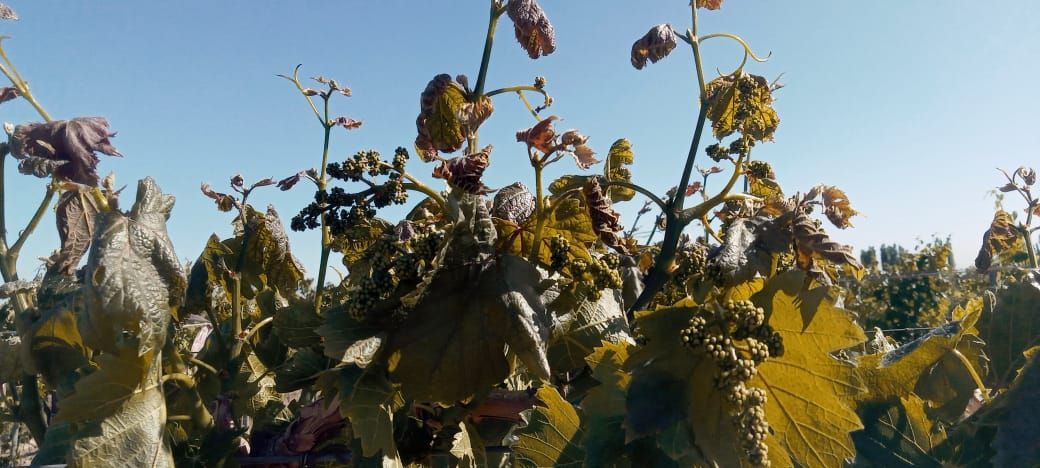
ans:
(736, 337)
(391, 262)
(591, 276)
(343, 210)
(691, 265)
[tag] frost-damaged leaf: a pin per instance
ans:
(513, 203)
(1000, 237)
(533, 29)
(553, 434)
(438, 121)
(584, 156)
(369, 400)
(618, 158)
(741, 103)
(810, 392)
(64, 147)
(1011, 328)
(7, 93)
(118, 414)
(465, 172)
(898, 434)
(837, 207)
(575, 332)
(605, 221)
(452, 343)
(709, 4)
(655, 45)
(1018, 438)
(542, 136)
(6, 13)
(811, 243)
(468, 448)
(896, 373)
(224, 201)
(75, 216)
(133, 276)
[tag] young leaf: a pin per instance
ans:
(438, 122)
(465, 172)
(741, 103)
(133, 276)
(533, 29)
(619, 156)
(553, 434)
(75, 215)
(1000, 237)
(513, 203)
(605, 221)
(655, 45)
(64, 148)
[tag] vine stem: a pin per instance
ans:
(326, 236)
(539, 212)
(489, 41)
(974, 375)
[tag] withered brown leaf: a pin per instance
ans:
(64, 148)
(541, 136)
(709, 4)
(605, 221)
(655, 45)
(837, 207)
(465, 172)
(75, 216)
(1000, 237)
(533, 29)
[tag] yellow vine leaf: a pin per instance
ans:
(552, 435)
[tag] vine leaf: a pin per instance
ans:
(655, 45)
(552, 436)
(741, 103)
(569, 220)
(133, 276)
(1011, 328)
(1017, 437)
(118, 413)
(452, 344)
(357, 238)
(299, 371)
(810, 392)
(896, 373)
(63, 147)
(513, 203)
(603, 407)
(75, 215)
(1000, 237)
(369, 400)
(340, 332)
(438, 123)
(468, 448)
(533, 30)
(619, 157)
(52, 344)
(575, 333)
(899, 433)
(296, 324)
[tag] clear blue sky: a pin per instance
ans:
(907, 105)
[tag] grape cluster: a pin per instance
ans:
(590, 276)
(343, 210)
(717, 151)
(736, 337)
(760, 170)
(392, 265)
(691, 266)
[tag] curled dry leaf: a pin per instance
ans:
(541, 136)
(811, 242)
(289, 182)
(438, 121)
(1000, 237)
(224, 201)
(605, 221)
(347, 123)
(8, 93)
(584, 156)
(1027, 174)
(465, 172)
(75, 215)
(513, 203)
(64, 148)
(533, 29)
(333, 85)
(6, 13)
(709, 4)
(837, 207)
(655, 45)
(473, 114)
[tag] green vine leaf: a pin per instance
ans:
(1011, 328)
(619, 158)
(552, 436)
(741, 103)
(358, 238)
(577, 331)
(133, 276)
(369, 400)
(452, 343)
(299, 371)
(898, 433)
(468, 448)
(1017, 433)
(296, 324)
(603, 407)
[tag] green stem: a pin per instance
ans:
(256, 328)
(489, 40)
(326, 235)
(743, 43)
(974, 375)
(12, 253)
(654, 198)
(539, 213)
